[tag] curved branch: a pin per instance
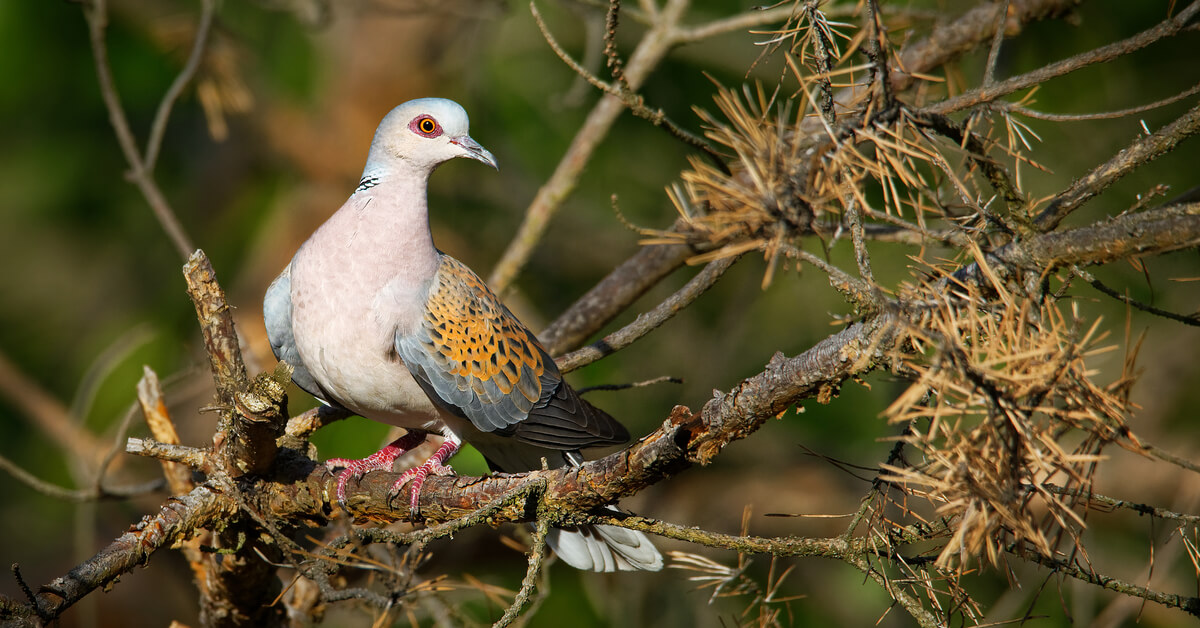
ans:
(159, 126)
(649, 321)
(992, 91)
(91, 493)
(1143, 150)
(608, 298)
(96, 13)
(654, 46)
(178, 519)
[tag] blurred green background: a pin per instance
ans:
(92, 290)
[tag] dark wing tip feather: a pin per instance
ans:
(563, 420)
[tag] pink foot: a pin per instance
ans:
(382, 461)
(379, 461)
(435, 465)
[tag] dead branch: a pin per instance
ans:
(1140, 152)
(177, 520)
(154, 408)
(608, 298)
(649, 321)
(994, 90)
(139, 172)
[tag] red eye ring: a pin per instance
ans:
(424, 125)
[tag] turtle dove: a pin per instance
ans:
(376, 320)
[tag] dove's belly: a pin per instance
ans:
(345, 323)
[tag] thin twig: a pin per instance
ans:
(654, 46)
(993, 91)
(856, 290)
(949, 237)
(1105, 115)
(116, 448)
(743, 21)
(1193, 320)
(159, 126)
(537, 554)
(96, 13)
(78, 495)
(665, 379)
(1094, 499)
(996, 174)
(649, 321)
(635, 102)
(1187, 603)
(989, 75)
(1167, 456)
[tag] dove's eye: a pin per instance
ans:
(427, 126)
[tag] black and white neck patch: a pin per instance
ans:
(367, 183)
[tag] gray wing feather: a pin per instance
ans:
(488, 407)
(277, 315)
(557, 419)
(472, 356)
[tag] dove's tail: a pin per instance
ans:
(587, 547)
(605, 548)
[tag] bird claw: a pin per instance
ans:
(435, 465)
(381, 460)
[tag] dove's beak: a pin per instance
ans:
(472, 149)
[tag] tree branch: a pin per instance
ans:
(966, 33)
(682, 441)
(96, 12)
(993, 90)
(1142, 151)
(654, 46)
(176, 520)
(159, 126)
(648, 322)
(608, 298)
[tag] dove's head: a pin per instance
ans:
(423, 133)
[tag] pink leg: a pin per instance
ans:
(379, 461)
(435, 465)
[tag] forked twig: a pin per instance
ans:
(96, 13)
(649, 321)
(537, 554)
